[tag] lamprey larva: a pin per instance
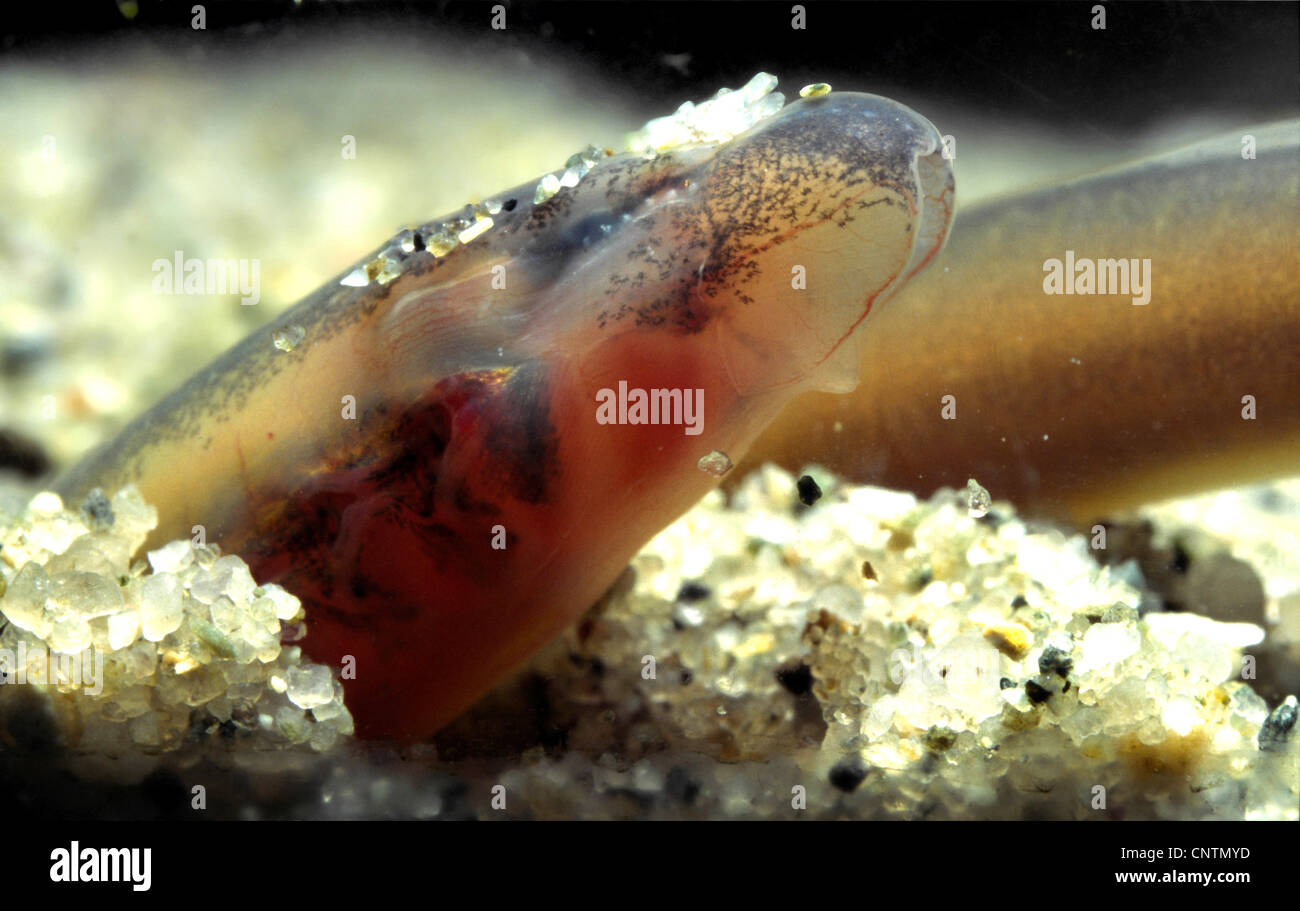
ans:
(1075, 406)
(477, 500)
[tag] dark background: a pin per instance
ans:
(1041, 61)
(1154, 63)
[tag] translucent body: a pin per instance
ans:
(1076, 406)
(426, 468)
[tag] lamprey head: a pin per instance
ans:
(778, 242)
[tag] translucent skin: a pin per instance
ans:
(474, 506)
(1073, 407)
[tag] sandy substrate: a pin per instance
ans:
(870, 656)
